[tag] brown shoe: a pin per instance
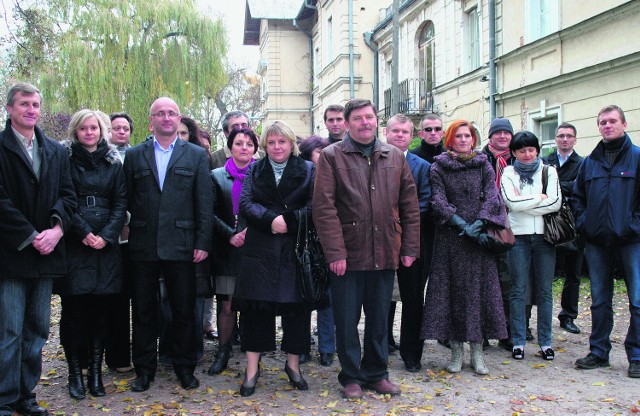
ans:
(384, 386)
(352, 391)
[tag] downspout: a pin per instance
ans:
(351, 81)
(311, 118)
(369, 41)
(492, 59)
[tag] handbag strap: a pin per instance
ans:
(545, 178)
(303, 227)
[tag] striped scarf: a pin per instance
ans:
(501, 161)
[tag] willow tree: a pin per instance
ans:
(121, 55)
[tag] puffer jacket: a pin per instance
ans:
(525, 205)
(606, 198)
(366, 209)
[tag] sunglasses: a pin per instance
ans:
(430, 129)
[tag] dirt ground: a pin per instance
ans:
(527, 387)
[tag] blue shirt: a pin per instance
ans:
(562, 159)
(162, 159)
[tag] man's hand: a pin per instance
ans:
(47, 240)
(199, 255)
(237, 240)
(278, 226)
(339, 267)
(407, 261)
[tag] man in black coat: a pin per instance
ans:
(37, 202)
(567, 163)
(170, 198)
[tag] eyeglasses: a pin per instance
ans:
(568, 136)
(430, 129)
(163, 114)
(239, 126)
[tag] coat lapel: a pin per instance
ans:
(150, 157)
(12, 144)
(179, 149)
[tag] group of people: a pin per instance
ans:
(100, 222)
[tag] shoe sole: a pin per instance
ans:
(584, 367)
(366, 387)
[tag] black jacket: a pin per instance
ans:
(102, 197)
(567, 173)
(427, 151)
(169, 224)
(225, 225)
(267, 272)
(29, 204)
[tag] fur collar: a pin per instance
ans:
(292, 178)
(449, 163)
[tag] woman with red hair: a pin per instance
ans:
(463, 300)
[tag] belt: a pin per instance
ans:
(94, 201)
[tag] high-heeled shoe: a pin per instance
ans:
(295, 379)
(249, 386)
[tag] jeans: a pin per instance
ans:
(531, 252)
(25, 309)
(601, 261)
(351, 293)
(326, 329)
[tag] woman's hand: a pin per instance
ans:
(278, 226)
(89, 240)
(98, 243)
(237, 240)
(543, 196)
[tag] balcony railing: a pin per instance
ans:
(415, 97)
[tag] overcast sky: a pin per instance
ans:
(233, 17)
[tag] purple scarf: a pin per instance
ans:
(238, 175)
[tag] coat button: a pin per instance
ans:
(373, 187)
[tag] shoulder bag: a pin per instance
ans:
(500, 240)
(312, 267)
(560, 226)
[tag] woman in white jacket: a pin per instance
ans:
(532, 257)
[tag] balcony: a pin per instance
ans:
(415, 97)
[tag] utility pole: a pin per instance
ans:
(395, 93)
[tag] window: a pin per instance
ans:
(426, 57)
(472, 35)
(329, 39)
(541, 18)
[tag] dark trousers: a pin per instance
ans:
(83, 318)
(571, 288)
(118, 345)
(181, 289)
(505, 286)
(411, 282)
(259, 332)
(351, 293)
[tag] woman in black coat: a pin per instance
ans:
(230, 229)
(275, 189)
(93, 252)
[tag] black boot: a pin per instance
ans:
(94, 376)
(222, 359)
(76, 382)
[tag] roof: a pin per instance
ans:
(257, 10)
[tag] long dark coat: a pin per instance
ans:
(463, 301)
(102, 197)
(31, 204)
(267, 272)
(225, 224)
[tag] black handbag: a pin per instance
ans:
(560, 226)
(499, 240)
(312, 267)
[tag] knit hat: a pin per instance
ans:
(500, 124)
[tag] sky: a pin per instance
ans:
(233, 19)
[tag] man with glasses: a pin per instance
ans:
(431, 132)
(567, 162)
(170, 198)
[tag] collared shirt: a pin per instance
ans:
(31, 149)
(562, 159)
(162, 158)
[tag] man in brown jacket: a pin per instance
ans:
(365, 208)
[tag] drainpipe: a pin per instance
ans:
(311, 118)
(351, 81)
(492, 59)
(369, 41)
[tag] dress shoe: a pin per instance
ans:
(249, 386)
(547, 354)
(187, 380)
(634, 369)
(529, 335)
(30, 407)
(303, 358)
(412, 367)
(393, 347)
(383, 386)
(445, 343)
(506, 344)
(352, 391)
(591, 362)
(569, 326)
(295, 379)
(211, 334)
(141, 383)
(326, 359)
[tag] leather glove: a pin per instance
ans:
(473, 231)
(484, 241)
(458, 223)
